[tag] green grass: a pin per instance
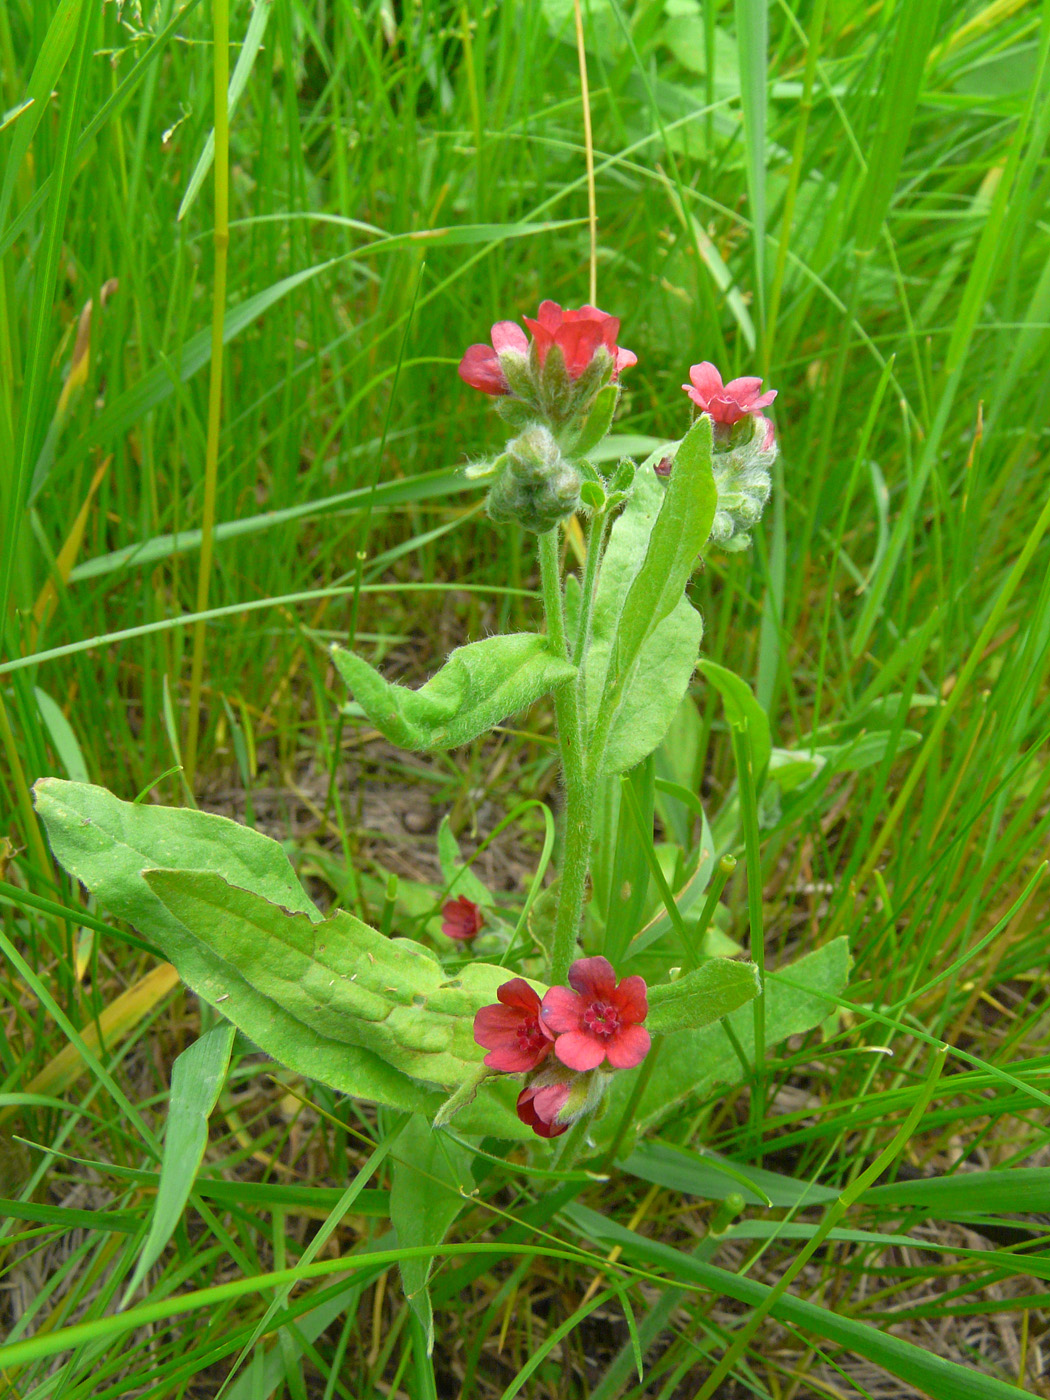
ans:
(852, 205)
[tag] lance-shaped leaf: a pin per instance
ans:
(339, 978)
(478, 687)
(699, 997)
(641, 666)
(678, 534)
(106, 844)
(430, 1184)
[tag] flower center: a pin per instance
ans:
(601, 1019)
(530, 1037)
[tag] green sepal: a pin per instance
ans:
(702, 996)
(597, 423)
(478, 687)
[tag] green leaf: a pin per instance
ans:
(62, 736)
(196, 1081)
(106, 844)
(705, 1175)
(459, 878)
(478, 686)
(431, 1180)
(654, 689)
(743, 711)
(338, 978)
(699, 997)
(678, 534)
(703, 1058)
(661, 669)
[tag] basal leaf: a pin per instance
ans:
(478, 687)
(106, 844)
(338, 978)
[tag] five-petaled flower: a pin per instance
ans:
(598, 1020)
(538, 1108)
(512, 1032)
(461, 918)
(727, 403)
(578, 334)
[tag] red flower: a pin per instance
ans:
(539, 1109)
(512, 1032)
(726, 403)
(598, 1020)
(578, 334)
(461, 918)
(480, 366)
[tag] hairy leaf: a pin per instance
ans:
(478, 687)
(338, 978)
(699, 997)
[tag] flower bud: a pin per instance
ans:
(741, 465)
(537, 486)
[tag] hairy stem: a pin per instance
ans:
(578, 803)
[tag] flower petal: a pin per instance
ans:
(631, 1000)
(480, 368)
(624, 359)
(743, 390)
(508, 335)
(579, 1050)
(517, 992)
(549, 1102)
(705, 378)
(550, 315)
(627, 1048)
(561, 1011)
(593, 977)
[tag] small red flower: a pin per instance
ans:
(480, 366)
(726, 403)
(599, 1020)
(578, 334)
(461, 918)
(539, 1109)
(512, 1032)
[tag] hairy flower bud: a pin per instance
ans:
(537, 487)
(741, 465)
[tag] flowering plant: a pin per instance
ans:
(557, 1040)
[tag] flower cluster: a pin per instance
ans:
(566, 1042)
(745, 448)
(560, 391)
(560, 388)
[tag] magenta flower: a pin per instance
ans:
(598, 1020)
(512, 1032)
(726, 403)
(578, 334)
(538, 1108)
(480, 366)
(461, 918)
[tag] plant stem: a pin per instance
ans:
(578, 801)
(221, 69)
(745, 773)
